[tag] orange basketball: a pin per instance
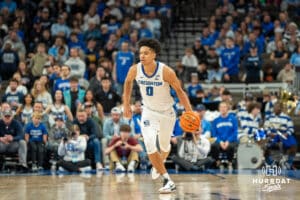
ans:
(189, 121)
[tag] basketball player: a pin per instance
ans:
(158, 117)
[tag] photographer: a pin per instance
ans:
(124, 150)
(72, 149)
(192, 152)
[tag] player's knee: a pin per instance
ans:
(165, 147)
(150, 147)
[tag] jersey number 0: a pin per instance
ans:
(149, 91)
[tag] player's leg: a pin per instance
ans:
(166, 127)
(149, 128)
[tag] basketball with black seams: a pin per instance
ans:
(189, 121)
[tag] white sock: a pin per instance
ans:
(132, 162)
(166, 176)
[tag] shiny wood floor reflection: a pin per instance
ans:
(140, 186)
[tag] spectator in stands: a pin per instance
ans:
(88, 107)
(230, 58)
(112, 124)
(16, 43)
(96, 107)
(194, 86)
(292, 45)
(58, 109)
(251, 122)
(14, 97)
(291, 30)
(280, 53)
(9, 60)
(75, 42)
(20, 88)
(199, 50)
(190, 62)
(225, 130)
(12, 137)
(40, 94)
(124, 150)
(213, 67)
(267, 104)
(202, 72)
(271, 45)
(57, 133)
(154, 24)
(253, 40)
(88, 129)
(124, 59)
(269, 74)
(242, 107)
(91, 15)
(279, 122)
(75, 63)
(59, 45)
(60, 28)
(92, 32)
(287, 74)
(36, 137)
(38, 61)
(205, 129)
(95, 82)
(74, 96)
(192, 152)
(106, 96)
(72, 149)
(253, 66)
(144, 31)
(26, 77)
(24, 113)
(295, 58)
(63, 83)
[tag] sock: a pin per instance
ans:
(166, 176)
(157, 163)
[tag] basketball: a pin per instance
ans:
(189, 121)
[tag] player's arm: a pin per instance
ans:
(171, 78)
(127, 91)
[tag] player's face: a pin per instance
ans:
(147, 55)
(223, 108)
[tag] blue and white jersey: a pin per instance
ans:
(154, 90)
(124, 60)
(268, 109)
(281, 122)
(250, 124)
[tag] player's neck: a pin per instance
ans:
(150, 67)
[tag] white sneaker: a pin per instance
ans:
(61, 169)
(99, 166)
(131, 167)
(154, 173)
(120, 167)
(34, 168)
(85, 169)
(168, 187)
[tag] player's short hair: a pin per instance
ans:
(151, 43)
(252, 106)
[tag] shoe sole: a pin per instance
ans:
(168, 192)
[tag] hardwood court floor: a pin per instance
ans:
(140, 186)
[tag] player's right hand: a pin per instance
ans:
(127, 113)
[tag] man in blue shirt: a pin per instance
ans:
(230, 59)
(123, 61)
(225, 131)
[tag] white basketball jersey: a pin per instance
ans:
(154, 90)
